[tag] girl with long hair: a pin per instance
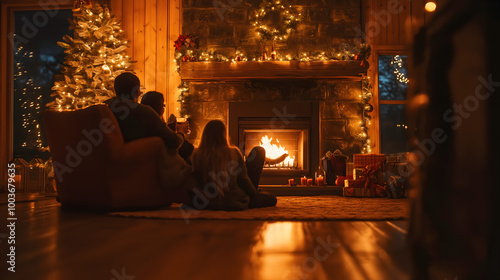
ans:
(224, 178)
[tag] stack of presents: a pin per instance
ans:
(368, 175)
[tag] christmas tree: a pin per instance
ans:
(95, 55)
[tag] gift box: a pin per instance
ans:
(396, 158)
(356, 192)
(349, 169)
(348, 191)
(359, 183)
(363, 160)
(372, 184)
(358, 172)
(396, 168)
(396, 187)
(335, 164)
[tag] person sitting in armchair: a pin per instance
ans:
(139, 121)
(156, 101)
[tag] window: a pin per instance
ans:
(37, 59)
(392, 88)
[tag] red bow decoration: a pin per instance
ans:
(187, 40)
(371, 173)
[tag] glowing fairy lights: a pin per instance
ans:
(287, 25)
(94, 57)
(29, 96)
(366, 96)
(397, 63)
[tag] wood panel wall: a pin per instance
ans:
(152, 26)
(388, 26)
(389, 19)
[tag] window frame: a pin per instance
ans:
(7, 9)
(378, 51)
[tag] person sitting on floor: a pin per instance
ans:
(140, 121)
(156, 101)
(224, 177)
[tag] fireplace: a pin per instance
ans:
(288, 131)
(309, 107)
(286, 149)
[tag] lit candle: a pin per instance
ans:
(310, 182)
(303, 181)
(320, 181)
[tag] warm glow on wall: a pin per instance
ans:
(430, 6)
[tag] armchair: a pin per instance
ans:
(93, 166)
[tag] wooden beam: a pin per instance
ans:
(128, 24)
(174, 30)
(200, 71)
(138, 44)
(161, 47)
(116, 8)
(150, 32)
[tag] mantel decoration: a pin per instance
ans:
(94, 57)
(286, 26)
(366, 96)
(187, 49)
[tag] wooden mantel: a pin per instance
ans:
(248, 70)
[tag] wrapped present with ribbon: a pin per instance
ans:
(335, 164)
(363, 160)
(396, 158)
(369, 183)
(339, 163)
(397, 168)
(396, 187)
(348, 191)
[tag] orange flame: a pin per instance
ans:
(274, 151)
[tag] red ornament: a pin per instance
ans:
(357, 57)
(238, 58)
(185, 58)
(192, 59)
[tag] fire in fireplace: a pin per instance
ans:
(284, 147)
(291, 143)
(277, 155)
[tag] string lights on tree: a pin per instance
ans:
(94, 57)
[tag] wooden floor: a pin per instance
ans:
(54, 244)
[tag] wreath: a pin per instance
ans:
(288, 24)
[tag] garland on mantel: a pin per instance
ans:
(187, 50)
(366, 96)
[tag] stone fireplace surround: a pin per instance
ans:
(278, 116)
(330, 100)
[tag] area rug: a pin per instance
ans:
(325, 207)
